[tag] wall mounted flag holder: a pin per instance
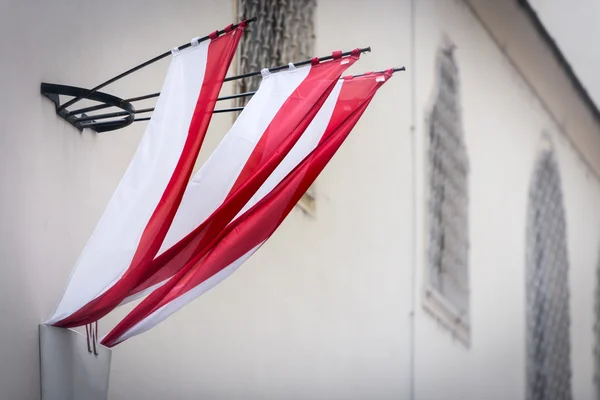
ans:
(80, 118)
(85, 118)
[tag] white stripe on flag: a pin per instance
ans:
(307, 142)
(113, 243)
(165, 311)
(251, 151)
(210, 186)
(242, 237)
(200, 191)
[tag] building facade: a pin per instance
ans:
(448, 251)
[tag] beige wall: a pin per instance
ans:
(323, 310)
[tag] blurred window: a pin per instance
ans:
(548, 343)
(447, 278)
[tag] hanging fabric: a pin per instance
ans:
(139, 214)
(272, 122)
(265, 212)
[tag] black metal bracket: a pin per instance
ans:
(106, 122)
(53, 92)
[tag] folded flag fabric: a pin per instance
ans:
(260, 217)
(268, 128)
(139, 214)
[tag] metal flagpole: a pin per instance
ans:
(229, 79)
(234, 109)
(217, 111)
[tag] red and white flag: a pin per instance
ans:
(268, 128)
(139, 214)
(265, 212)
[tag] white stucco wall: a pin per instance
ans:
(300, 320)
(55, 181)
(323, 310)
(503, 125)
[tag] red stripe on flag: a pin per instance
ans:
(220, 53)
(278, 139)
(260, 222)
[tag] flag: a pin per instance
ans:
(241, 238)
(305, 100)
(272, 122)
(138, 216)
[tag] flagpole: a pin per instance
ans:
(231, 78)
(142, 65)
(217, 111)
(234, 109)
(235, 96)
(298, 64)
